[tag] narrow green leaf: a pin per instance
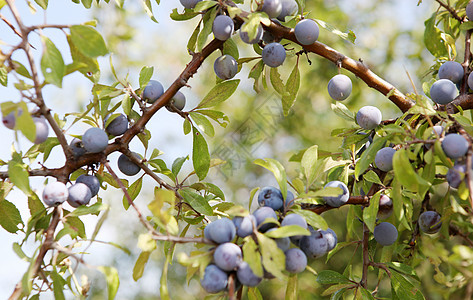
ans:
(200, 154)
(274, 260)
(113, 281)
(88, 210)
(433, 38)
(370, 213)
(405, 173)
(17, 249)
(88, 41)
(187, 15)
(368, 156)
(58, 286)
(292, 287)
(203, 123)
(342, 111)
(231, 48)
(313, 219)
(52, 63)
(276, 81)
(219, 93)
(145, 75)
(207, 20)
(42, 3)
(291, 89)
(134, 190)
(149, 10)
(10, 216)
(252, 256)
(177, 164)
(19, 176)
(199, 203)
(255, 73)
(371, 176)
(191, 44)
(287, 231)
(278, 170)
(309, 163)
(3, 76)
(349, 36)
(140, 265)
(25, 123)
(331, 277)
(186, 126)
(204, 5)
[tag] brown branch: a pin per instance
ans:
(450, 10)
(321, 208)
(356, 67)
(47, 244)
(39, 101)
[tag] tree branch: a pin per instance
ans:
(356, 67)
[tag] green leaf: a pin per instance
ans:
(406, 174)
(200, 154)
(25, 123)
(276, 81)
(203, 123)
(342, 111)
(88, 210)
(433, 38)
(17, 249)
(368, 156)
(44, 5)
(52, 64)
(291, 89)
(186, 126)
(134, 190)
(199, 203)
(309, 163)
(204, 5)
(219, 93)
(255, 73)
(403, 288)
(58, 286)
(331, 277)
(231, 48)
(254, 294)
(278, 170)
(19, 176)
(349, 36)
(313, 219)
(370, 213)
(3, 76)
(88, 41)
(187, 15)
(145, 75)
(292, 287)
(140, 264)
(252, 256)
(371, 176)
(149, 10)
(9, 216)
(177, 164)
(287, 231)
(207, 20)
(191, 44)
(113, 281)
(274, 260)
